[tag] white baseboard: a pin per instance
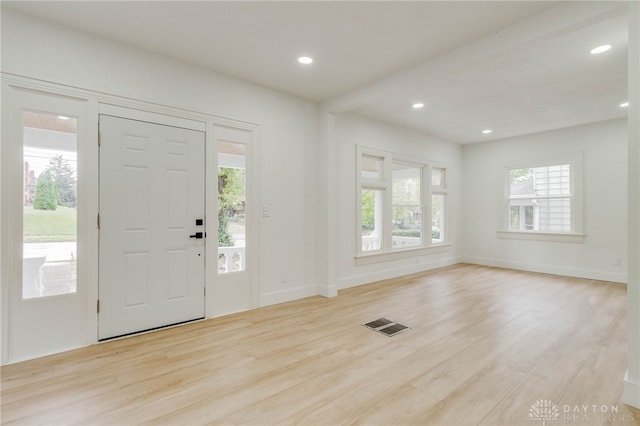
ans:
(631, 392)
(288, 295)
(355, 281)
(548, 269)
(328, 290)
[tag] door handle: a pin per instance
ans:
(197, 235)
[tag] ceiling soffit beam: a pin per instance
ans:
(562, 19)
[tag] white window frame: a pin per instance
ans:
(21, 95)
(384, 184)
(576, 234)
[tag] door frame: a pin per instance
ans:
(207, 123)
(16, 99)
(253, 218)
(97, 103)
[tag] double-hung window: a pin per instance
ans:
(398, 197)
(543, 200)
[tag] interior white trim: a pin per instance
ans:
(566, 237)
(327, 290)
(631, 392)
(357, 280)
(21, 82)
(151, 117)
(275, 297)
(548, 269)
(367, 259)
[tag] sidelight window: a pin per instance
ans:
(49, 205)
(232, 193)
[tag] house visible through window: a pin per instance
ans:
(398, 197)
(541, 198)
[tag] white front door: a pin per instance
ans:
(151, 226)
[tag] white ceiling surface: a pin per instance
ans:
(548, 85)
(356, 45)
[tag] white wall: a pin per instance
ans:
(352, 130)
(604, 149)
(631, 392)
(45, 51)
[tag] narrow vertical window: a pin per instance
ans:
(49, 205)
(371, 220)
(406, 206)
(437, 217)
(232, 191)
(438, 204)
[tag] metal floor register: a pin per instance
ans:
(386, 327)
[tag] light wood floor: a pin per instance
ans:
(484, 345)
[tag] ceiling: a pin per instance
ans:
(58, 123)
(377, 58)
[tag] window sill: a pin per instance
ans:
(558, 237)
(367, 259)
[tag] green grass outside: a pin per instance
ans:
(49, 225)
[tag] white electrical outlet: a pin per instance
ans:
(283, 278)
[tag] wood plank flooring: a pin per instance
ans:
(484, 345)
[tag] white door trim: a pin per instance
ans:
(98, 102)
(151, 117)
(15, 100)
(253, 217)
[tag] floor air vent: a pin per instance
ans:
(386, 327)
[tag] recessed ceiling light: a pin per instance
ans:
(62, 117)
(487, 131)
(624, 104)
(417, 105)
(306, 60)
(600, 49)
